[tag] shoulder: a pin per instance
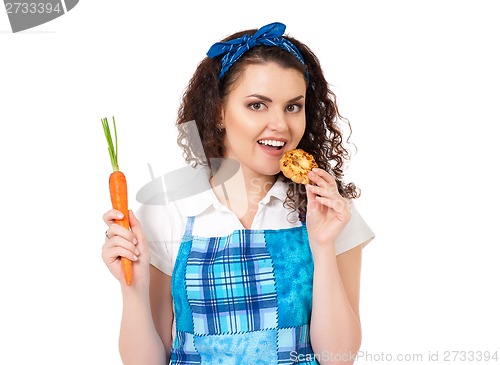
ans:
(160, 220)
(356, 232)
(168, 201)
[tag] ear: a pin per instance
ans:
(221, 117)
(220, 122)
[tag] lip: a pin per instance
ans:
(273, 139)
(271, 151)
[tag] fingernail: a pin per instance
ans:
(119, 215)
(135, 258)
(137, 251)
(134, 241)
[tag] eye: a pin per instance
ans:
(293, 108)
(256, 106)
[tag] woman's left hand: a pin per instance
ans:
(327, 211)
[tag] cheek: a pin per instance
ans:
(244, 125)
(298, 129)
(237, 130)
(236, 119)
(237, 137)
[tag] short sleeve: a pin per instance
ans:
(155, 225)
(355, 233)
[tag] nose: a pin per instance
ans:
(277, 121)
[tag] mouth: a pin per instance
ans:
(271, 143)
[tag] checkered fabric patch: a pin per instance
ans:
(294, 346)
(183, 351)
(230, 284)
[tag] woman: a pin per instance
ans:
(253, 269)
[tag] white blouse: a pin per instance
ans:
(163, 220)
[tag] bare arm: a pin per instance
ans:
(160, 294)
(335, 327)
(146, 331)
(139, 341)
(335, 324)
(141, 338)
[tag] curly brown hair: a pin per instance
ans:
(205, 95)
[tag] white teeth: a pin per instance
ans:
(270, 142)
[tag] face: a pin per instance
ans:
(264, 116)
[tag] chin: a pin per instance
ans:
(270, 171)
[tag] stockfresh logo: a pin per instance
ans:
(26, 15)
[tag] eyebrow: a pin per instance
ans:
(265, 98)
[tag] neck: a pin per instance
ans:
(240, 191)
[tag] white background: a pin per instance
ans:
(418, 80)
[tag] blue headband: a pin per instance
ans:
(268, 35)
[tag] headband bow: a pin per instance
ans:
(268, 35)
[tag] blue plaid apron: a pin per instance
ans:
(245, 298)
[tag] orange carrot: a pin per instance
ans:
(118, 191)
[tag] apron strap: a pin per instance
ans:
(302, 218)
(189, 226)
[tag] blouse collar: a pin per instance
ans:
(196, 195)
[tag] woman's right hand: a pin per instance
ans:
(121, 242)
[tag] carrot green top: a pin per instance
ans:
(112, 148)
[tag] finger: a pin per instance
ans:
(312, 204)
(323, 174)
(115, 230)
(111, 216)
(325, 180)
(340, 206)
(321, 177)
(110, 254)
(118, 241)
(136, 227)
(326, 191)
